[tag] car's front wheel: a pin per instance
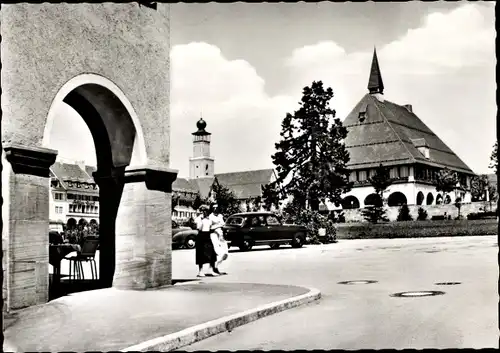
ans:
(246, 245)
(190, 243)
(298, 241)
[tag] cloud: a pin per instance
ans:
(445, 68)
(243, 119)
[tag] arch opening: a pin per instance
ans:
(118, 141)
(420, 198)
(397, 199)
(439, 199)
(350, 202)
(373, 200)
(430, 199)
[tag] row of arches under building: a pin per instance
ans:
(395, 199)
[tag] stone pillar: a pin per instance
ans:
(110, 184)
(25, 212)
(144, 229)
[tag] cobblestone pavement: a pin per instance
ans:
(357, 316)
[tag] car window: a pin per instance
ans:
(272, 221)
(257, 221)
(234, 221)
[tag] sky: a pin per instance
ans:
(242, 66)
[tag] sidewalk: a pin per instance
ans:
(111, 319)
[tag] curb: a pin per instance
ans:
(227, 323)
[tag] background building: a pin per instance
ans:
(73, 194)
(382, 132)
(245, 185)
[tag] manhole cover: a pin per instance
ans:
(447, 283)
(358, 282)
(425, 293)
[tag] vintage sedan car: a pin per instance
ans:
(244, 230)
(183, 237)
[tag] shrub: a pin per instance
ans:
(482, 215)
(414, 229)
(422, 214)
(438, 218)
(404, 214)
(374, 214)
(313, 221)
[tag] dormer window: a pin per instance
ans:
(362, 113)
(422, 147)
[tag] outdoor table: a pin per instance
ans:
(57, 253)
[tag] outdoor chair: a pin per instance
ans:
(87, 254)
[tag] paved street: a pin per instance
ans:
(357, 316)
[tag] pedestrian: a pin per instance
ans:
(205, 253)
(217, 236)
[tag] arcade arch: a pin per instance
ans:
(420, 198)
(350, 202)
(373, 200)
(397, 199)
(430, 199)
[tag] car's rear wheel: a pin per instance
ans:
(298, 241)
(275, 246)
(190, 243)
(246, 245)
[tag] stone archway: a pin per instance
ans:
(397, 199)
(125, 106)
(420, 198)
(430, 199)
(350, 202)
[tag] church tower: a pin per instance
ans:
(375, 83)
(201, 165)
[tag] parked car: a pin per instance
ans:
(244, 230)
(183, 237)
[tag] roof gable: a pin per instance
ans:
(390, 134)
(247, 184)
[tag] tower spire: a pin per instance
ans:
(375, 83)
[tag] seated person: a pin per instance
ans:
(55, 238)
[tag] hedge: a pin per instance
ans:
(417, 229)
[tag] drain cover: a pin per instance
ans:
(447, 283)
(425, 293)
(358, 282)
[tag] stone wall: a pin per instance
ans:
(45, 45)
(355, 215)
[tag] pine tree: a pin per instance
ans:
(404, 214)
(479, 187)
(225, 199)
(311, 157)
(380, 182)
(494, 158)
(270, 196)
(175, 201)
(198, 201)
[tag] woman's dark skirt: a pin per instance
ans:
(205, 252)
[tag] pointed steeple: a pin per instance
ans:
(375, 83)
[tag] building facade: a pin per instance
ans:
(74, 195)
(383, 132)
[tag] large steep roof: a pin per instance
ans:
(246, 184)
(391, 134)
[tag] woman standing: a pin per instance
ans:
(205, 253)
(217, 236)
